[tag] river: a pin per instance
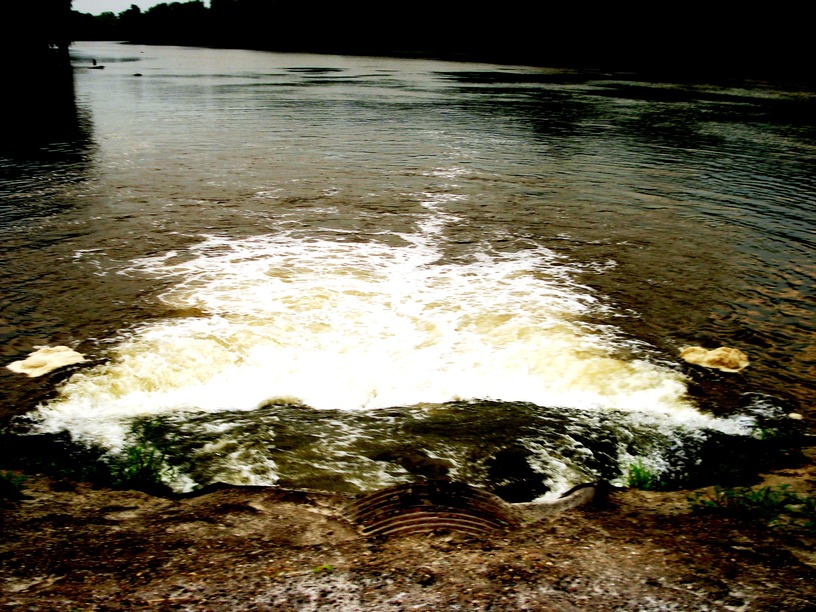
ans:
(344, 272)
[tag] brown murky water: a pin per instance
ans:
(254, 237)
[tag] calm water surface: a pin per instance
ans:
(339, 272)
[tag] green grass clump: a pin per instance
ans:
(11, 486)
(641, 477)
(144, 464)
(140, 467)
(770, 505)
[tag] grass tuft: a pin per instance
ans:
(142, 467)
(770, 505)
(641, 477)
(11, 486)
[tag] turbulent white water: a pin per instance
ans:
(351, 325)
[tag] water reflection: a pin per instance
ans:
(46, 152)
(47, 144)
(42, 115)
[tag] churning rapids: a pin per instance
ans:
(347, 273)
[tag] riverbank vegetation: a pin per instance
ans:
(687, 43)
(771, 505)
(11, 486)
(682, 42)
(36, 35)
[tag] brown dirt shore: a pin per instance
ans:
(69, 546)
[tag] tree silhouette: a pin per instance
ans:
(175, 23)
(675, 39)
(37, 30)
(130, 23)
(37, 104)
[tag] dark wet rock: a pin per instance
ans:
(515, 479)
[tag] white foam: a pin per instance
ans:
(46, 359)
(347, 325)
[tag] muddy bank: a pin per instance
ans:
(68, 545)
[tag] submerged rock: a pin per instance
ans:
(725, 359)
(46, 359)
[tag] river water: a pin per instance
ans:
(344, 272)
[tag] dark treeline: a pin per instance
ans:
(35, 33)
(38, 107)
(671, 39)
(417, 28)
(668, 39)
(37, 83)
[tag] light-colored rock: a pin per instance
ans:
(724, 358)
(46, 359)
